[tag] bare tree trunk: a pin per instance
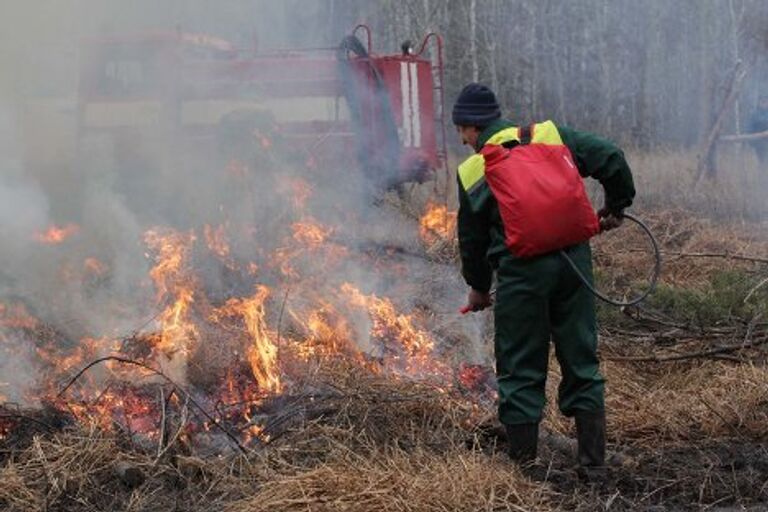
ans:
(427, 17)
(736, 22)
(707, 157)
(555, 52)
(473, 40)
(535, 34)
(489, 34)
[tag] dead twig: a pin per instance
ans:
(725, 255)
(280, 322)
(163, 376)
(690, 355)
(182, 425)
(675, 255)
(725, 421)
(161, 437)
(754, 289)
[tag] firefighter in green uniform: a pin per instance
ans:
(541, 298)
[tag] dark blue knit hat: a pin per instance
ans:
(476, 106)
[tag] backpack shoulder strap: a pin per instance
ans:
(526, 134)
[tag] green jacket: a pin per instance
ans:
(481, 233)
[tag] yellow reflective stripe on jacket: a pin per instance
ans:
(473, 168)
(546, 133)
(543, 133)
(472, 171)
(505, 135)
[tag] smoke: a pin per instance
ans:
(24, 208)
(17, 368)
(103, 186)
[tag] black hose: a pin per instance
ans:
(384, 171)
(654, 276)
(353, 44)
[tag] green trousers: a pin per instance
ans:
(538, 300)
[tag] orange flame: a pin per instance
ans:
(298, 190)
(95, 267)
(16, 316)
(310, 233)
(177, 331)
(437, 223)
(172, 281)
(216, 240)
(172, 254)
(321, 325)
(411, 347)
(262, 353)
(327, 332)
(67, 361)
(475, 377)
(55, 235)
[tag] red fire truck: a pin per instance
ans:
(386, 111)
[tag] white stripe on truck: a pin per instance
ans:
(406, 102)
(415, 110)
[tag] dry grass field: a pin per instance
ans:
(687, 397)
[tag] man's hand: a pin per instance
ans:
(609, 220)
(477, 301)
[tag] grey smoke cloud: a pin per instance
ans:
(115, 189)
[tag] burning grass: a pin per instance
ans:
(354, 440)
(350, 440)
(291, 390)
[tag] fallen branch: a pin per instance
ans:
(636, 314)
(692, 355)
(724, 255)
(744, 138)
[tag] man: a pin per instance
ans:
(759, 123)
(538, 298)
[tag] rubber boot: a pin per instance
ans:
(523, 442)
(590, 433)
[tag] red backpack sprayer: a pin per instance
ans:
(542, 200)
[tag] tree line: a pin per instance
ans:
(648, 73)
